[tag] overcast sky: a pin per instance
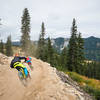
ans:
(56, 14)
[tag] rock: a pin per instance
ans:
(77, 91)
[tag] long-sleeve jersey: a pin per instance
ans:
(16, 59)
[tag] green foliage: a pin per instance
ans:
(92, 48)
(50, 53)
(58, 44)
(72, 48)
(92, 91)
(92, 70)
(63, 58)
(56, 60)
(87, 81)
(1, 47)
(90, 86)
(75, 77)
(9, 51)
(80, 54)
(42, 46)
(60, 68)
(71, 59)
(75, 59)
(25, 29)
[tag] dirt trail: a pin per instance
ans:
(44, 84)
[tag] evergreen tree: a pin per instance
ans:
(50, 56)
(93, 70)
(42, 48)
(80, 54)
(72, 48)
(25, 29)
(56, 58)
(9, 51)
(64, 58)
(1, 47)
(1, 44)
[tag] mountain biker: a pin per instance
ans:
(16, 63)
(28, 61)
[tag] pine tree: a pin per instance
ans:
(50, 56)
(80, 54)
(1, 47)
(72, 48)
(42, 48)
(25, 29)
(64, 58)
(9, 51)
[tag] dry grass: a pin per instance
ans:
(91, 86)
(83, 80)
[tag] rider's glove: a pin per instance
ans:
(25, 59)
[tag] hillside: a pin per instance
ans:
(46, 83)
(91, 46)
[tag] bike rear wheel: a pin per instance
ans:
(21, 73)
(22, 79)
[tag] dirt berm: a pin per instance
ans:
(45, 84)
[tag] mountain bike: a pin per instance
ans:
(23, 77)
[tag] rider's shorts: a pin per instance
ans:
(19, 65)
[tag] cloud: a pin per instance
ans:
(56, 14)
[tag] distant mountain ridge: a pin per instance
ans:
(17, 43)
(91, 46)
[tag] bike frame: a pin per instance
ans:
(23, 74)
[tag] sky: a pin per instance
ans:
(57, 16)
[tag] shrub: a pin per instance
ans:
(92, 91)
